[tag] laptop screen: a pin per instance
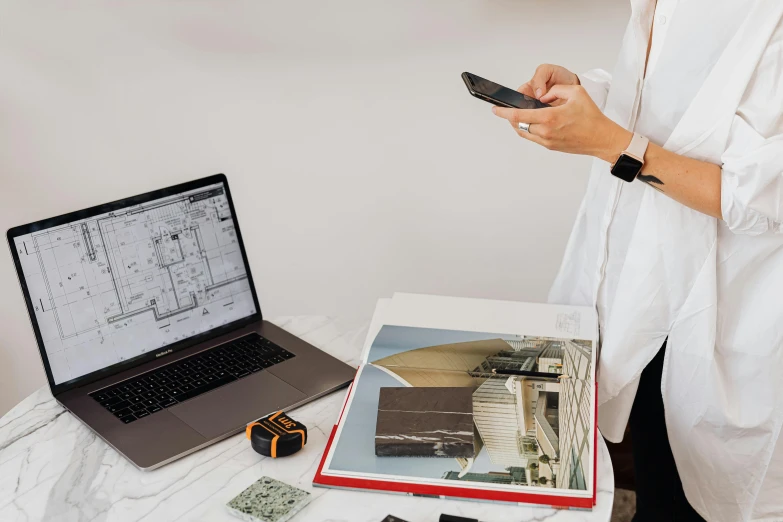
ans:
(118, 285)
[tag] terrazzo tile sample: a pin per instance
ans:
(425, 422)
(268, 500)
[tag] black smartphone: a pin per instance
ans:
(498, 95)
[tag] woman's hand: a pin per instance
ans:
(545, 77)
(575, 125)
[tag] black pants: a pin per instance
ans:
(659, 495)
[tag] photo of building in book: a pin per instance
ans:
(531, 404)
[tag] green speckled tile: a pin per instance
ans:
(268, 500)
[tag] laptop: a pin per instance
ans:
(149, 326)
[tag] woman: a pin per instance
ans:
(679, 245)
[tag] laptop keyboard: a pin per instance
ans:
(190, 377)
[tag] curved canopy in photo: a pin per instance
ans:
(441, 365)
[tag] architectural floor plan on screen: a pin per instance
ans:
(114, 286)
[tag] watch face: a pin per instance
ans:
(627, 168)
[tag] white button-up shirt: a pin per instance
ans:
(655, 269)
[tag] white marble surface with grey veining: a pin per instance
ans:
(53, 468)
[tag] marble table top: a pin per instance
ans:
(53, 468)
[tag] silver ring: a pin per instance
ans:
(524, 126)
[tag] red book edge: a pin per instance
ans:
(447, 491)
(595, 446)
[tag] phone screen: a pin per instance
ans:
(504, 95)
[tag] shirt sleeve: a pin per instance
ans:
(596, 82)
(752, 164)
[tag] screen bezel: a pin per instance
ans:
(110, 207)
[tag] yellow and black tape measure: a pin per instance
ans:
(277, 435)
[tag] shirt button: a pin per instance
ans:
(662, 20)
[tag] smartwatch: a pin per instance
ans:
(631, 161)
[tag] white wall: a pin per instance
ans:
(359, 163)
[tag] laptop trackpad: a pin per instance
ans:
(232, 406)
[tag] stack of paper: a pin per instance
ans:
(530, 369)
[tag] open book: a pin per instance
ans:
(523, 375)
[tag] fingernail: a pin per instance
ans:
(494, 110)
(539, 92)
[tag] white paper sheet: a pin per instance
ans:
(483, 315)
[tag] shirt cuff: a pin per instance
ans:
(751, 181)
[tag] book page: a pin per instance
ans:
(375, 325)
(533, 432)
(461, 313)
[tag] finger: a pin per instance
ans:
(525, 115)
(540, 81)
(561, 92)
(527, 90)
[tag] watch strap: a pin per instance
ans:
(637, 147)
